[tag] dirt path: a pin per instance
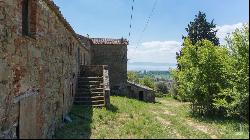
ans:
(165, 110)
(201, 128)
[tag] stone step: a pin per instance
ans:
(91, 86)
(89, 90)
(99, 105)
(97, 90)
(83, 94)
(93, 98)
(84, 77)
(90, 79)
(90, 82)
(83, 90)
(82, 74)
(96, 102)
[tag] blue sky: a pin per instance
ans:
(111, 18)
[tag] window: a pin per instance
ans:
(25, 17)
(83, 58)
(72, 90)
(29, 8)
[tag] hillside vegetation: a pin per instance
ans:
(129, 118)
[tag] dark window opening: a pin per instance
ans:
(70, 49)
(72, 90)
(84, 59)
(141, 95)
(17, 131)
(25, 17)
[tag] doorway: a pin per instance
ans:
(141, 95)
(27, 118)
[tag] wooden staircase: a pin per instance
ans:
(90, 90)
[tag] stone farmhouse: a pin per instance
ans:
(45, 67)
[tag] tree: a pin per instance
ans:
(200, 29)
(162, 87)
(205, 73)
(147, 81)
(133, 77)
(236, 98)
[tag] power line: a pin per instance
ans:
(147, 22)
(131, 18)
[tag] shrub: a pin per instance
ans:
(162, 87)
(203, 75)
(147, 81)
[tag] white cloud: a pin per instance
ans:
(224, 30)
(165, 51)
(155, 51)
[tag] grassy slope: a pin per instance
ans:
(128, 118)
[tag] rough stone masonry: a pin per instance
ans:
(40, 57)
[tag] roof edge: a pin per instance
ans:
(56, 10)
(109, 41)
(141, 86)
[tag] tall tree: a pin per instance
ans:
(200, 29)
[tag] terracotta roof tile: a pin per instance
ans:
(109, 41)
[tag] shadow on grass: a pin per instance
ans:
(214, 118)
(112, 108)
(80, 127)
(237, 123)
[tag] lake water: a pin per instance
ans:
(133, 67)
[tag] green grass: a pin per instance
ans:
(128, 118)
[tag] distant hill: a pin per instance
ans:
(150, 66)
(151, 63)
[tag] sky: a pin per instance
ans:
(163, 35)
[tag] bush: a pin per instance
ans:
(203, 74)
(147, 81)
(238, 104)
(215, 78)
(133, 77)
(162, 87)
(159, 95)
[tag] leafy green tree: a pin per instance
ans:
(236, 98)
(133, 77)
(162, 87)
(147, 81)
(204, 75)
(201, 29)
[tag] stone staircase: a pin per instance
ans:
(90, 88)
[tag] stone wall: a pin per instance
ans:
(140, 92)
(113, 54)
(45, 62)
